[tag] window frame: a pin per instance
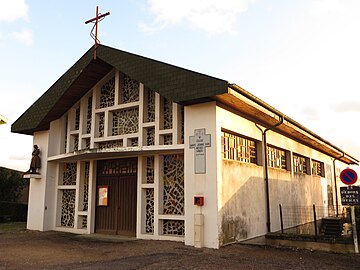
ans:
(320, 170)
(284, 159)
(248, 147)
(305, 164)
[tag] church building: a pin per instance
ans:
(137, 147)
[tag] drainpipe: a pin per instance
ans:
(266, 177)
(336, 193)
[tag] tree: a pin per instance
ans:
(11, 185)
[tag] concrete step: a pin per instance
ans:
(331, 227)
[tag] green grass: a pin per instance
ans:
(12, 226)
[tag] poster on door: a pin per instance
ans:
(103, 195)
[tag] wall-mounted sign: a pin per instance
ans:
(199, 142)
(350, 195)
(103, 192)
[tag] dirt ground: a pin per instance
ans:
(22, 249)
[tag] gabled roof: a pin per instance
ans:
(176, 84)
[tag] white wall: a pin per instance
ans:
(241, 189)
(36, 205)
(241, 186)
(197, 117)
(55, 144)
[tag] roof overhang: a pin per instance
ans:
(3, 120)
(120, 152)
(260, 112)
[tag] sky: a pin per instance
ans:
(300, 56)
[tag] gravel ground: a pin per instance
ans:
(22, 249)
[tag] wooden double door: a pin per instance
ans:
(116, 214)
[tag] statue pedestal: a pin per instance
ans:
(32, 176)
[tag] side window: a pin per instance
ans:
(317, 168)
(236, 147)
(277, 158)
(301, 164)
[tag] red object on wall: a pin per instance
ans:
(199, 200)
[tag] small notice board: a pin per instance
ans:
(103, 195)
(350, 195)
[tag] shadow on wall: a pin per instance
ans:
(243, 214)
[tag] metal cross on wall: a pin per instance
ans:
(99, 17)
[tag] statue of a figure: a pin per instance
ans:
(35, 160)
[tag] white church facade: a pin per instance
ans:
(137, 147)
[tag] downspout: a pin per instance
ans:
(266, 173)
(336, 193)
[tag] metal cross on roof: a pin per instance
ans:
(99, 17)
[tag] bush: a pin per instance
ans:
(11, 185)
(15, 211)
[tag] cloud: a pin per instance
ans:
(12, 154)
(348, 106)
(311, 113)
(19, 157)
(211, 16)
(315, 61)
(325, 7)
(310, 72)
(25, 36)
(12, 10)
